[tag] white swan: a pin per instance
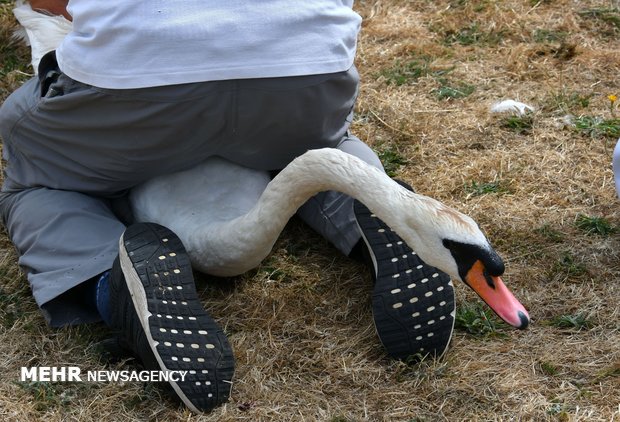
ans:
(229, 217)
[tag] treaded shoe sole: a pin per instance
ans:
(413, 303)
(179, 331)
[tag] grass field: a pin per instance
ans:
(540, 186)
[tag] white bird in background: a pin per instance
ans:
(229, 217)
(616, 167)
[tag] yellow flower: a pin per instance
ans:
(612, 98)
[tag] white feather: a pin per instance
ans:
(44, 33)
(511, 106)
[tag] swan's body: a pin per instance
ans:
(229, 217)
(202, 203)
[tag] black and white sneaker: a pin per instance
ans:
(156, 309)
(413, 303)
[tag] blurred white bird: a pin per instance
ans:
(616, 166)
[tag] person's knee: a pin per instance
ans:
(352, 145)
(15, 106)
(7, 199)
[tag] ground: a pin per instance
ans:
(540, 186)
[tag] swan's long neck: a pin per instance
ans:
(255, 233)
(322, 170)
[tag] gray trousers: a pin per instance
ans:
(70, 155)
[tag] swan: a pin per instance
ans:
(229, 217)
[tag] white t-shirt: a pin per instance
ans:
(137, 43)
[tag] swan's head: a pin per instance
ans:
(453, 242)
(480, 267)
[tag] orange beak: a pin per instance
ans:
(494, 292)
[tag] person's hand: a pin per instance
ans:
(53, 7)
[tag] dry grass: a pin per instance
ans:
(301, 326)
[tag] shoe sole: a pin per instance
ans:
(413, 303)
(182, 336)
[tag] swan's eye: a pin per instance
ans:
(465, 255)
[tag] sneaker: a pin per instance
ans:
(156, 309)
(412, 303)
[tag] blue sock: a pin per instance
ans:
(102, 298)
